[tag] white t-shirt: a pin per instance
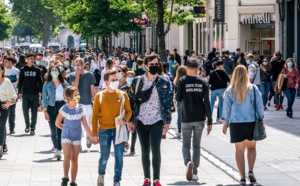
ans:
(94, 65)
(59, 93)
(13, 74)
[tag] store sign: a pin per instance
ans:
(264, 19)
(219, 11)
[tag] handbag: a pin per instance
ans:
(143, 96)
(259, 132)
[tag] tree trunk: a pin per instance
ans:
(103, 44)
(97, 42)
(87, 44)
(160, 28)
(46, 35)
(110, 43)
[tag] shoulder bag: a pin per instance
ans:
(259, 132)
(143, 96)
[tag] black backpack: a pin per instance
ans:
(97, 75)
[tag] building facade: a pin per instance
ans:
(67, 38)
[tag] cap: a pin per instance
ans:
(38, 58)
(278, 53)
(192, 63)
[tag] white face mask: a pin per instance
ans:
(248, 61)
(114, 85)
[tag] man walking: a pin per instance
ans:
(152, 115)
(194, 94)
(106, 108)
(84, 81)
(253, 71)
(30, 89)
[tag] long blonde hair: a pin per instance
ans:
(181, 71)
(240, 83)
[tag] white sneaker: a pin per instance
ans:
(57, 155)
(117, 184)
(189, 171)
(195, 177)
(100, 181)
(178, 134)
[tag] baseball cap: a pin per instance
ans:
(278, 53)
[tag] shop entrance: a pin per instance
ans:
(261, 47)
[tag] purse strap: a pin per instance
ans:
(254, 103)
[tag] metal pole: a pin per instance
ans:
(202, 36)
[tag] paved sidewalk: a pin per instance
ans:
(30, 163)
(278, 157)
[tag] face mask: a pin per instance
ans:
(76, 99)
(54, 74)
(120, 75)
(248, 61)
(290, 64)
(265, 63)
(205, 59)
(153, 70)
(66, 63)
(61, 68)
(52, 64)
(114, 85)
(129, 80)
(37, 62)
(76, 67)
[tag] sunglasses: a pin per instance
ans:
(153, 64)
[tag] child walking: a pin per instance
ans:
(73, 115)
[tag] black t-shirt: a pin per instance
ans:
(218, 79)
(194, 94)
(276, 68)
(139, 72)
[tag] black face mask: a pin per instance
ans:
(153, 70)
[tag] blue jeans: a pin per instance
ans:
(213, 96)
(265, 89)
(105, 138)
(290, 95)
(179, 111)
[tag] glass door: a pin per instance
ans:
(268, 47)
(254, 47)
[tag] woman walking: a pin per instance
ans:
(181, 71)
(265, 80)
(292, 84)
(53, 100)
(8, 97)
(239, 114)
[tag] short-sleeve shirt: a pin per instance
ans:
(13, 74)
(86, 80)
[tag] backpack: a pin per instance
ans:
(97, 75)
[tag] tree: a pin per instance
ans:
(5, 24)
(40, 15)
(178, 12)
(100, 18)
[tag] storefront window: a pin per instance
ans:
(255, 34)
(268, 33)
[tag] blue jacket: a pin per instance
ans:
(49, 93)
(233, 112)
(164, 92)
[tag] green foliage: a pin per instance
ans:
(40, 15)
(5, 23)
(100, 17)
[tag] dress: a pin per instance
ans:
(72, 131)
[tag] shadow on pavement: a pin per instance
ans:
(44, 152)
(91, 151)
(186, 183)
(45, 136)
(43, 160)
(20, 135)
(239, 185)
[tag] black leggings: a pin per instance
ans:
(150, 136)
(3, 120)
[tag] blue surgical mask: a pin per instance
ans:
(290, 64)
(66, 63)
(61, 68)
(265, 63)
(37, 62)
(129, 80)
(54, 74)
(120, 75)
(248, 61)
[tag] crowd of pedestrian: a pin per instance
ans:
(118, 94)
